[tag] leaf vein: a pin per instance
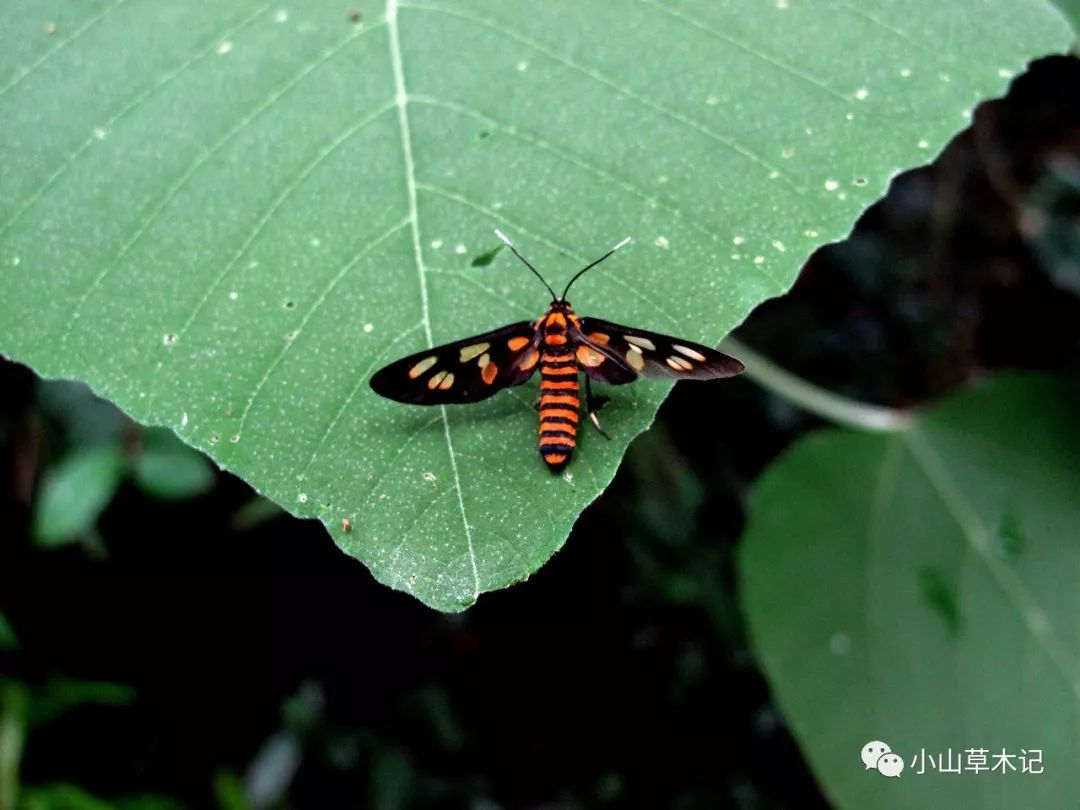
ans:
(401, 100)
(978, 538)
(575, 160)
(61, 45)
(791, 70)
(204, 50)
(193, 169)
(338, 276)
(344, 405)
(600, 78)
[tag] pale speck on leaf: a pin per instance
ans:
(224, 47)
(302, 497)
(100, 133)
(281, 16)
(862, 93)
(840, 644)
(662, 242)
(831, 185)
(436, 244)
(368, 327)
(459, 249)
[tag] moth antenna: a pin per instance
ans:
(524, 261)
(593, 264)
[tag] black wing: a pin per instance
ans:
(621, 354)
(463, 371)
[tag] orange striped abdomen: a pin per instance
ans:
(559, 404)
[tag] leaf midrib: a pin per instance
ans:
(401, 100)
(977, 536)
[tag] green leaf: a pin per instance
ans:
(921, 589)
(8, 638)
(1071, 9)
(226, 216)
(75, 492)
(65, 796)
(168, 469)
(59, 695)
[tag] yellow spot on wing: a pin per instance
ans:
(447, 382)
(469, 352)
(437, 379)
(589, 357)
(636, 359)
(421, 367)
(679, 364)
(528, 360)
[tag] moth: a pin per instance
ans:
(561, 345)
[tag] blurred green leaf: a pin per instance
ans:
(883, 609)
(229, 792)
(63, 796)
(75, 492)
(1071, 10)
(59, 695)
(14, 707)
(168, 469)
(226, 216)
(8, 639)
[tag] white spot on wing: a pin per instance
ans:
(694, 354)
(642, 342)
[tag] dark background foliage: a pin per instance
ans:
(259, 654)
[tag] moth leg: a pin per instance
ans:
(594, 404)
